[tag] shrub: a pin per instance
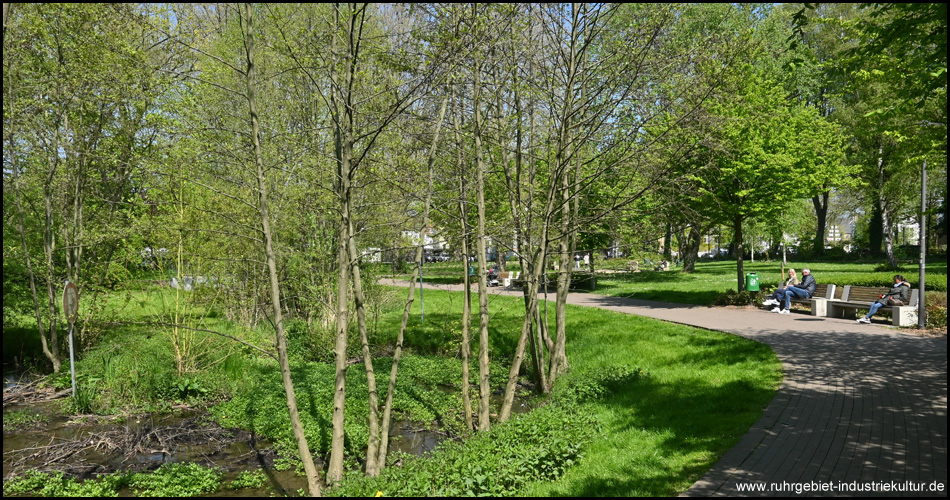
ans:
(538, 446)
(936, 310)
(734, 298)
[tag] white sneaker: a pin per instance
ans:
(864, 320)
(777, 310)
(770, 302)
(785, 311)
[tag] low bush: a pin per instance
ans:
(885, 278)
(249, 479)
(538, 446)
(936, 309)
(56, 484)
(734, 298)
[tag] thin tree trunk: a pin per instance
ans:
(29, 265)
(737, 233)
(343, 152)
(372, 451)
(387, 410)
(483, 361)
(313, 481)
(821, 212)
(49, 246)
(466, 280)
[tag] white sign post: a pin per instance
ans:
(71, 310)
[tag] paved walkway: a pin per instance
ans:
(861, 406)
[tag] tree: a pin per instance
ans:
(79, 93)
(766, 152)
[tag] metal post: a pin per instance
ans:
(422, 302)
(922, 240)
(72, 362)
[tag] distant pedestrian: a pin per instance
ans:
(577, 262)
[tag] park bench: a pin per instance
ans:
(819, 301)
(861, 297)
(510, 279)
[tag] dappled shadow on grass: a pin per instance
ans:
(442, 280)
(709, 352)
(697, 297)
(693, 418)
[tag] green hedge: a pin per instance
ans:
(935, 282)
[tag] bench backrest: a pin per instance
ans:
(824, 291)
(821, 292)
(871, 293)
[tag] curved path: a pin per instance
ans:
(862, 408)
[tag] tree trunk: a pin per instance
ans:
(466, 347)
(383, 445)
(888, 223)
(44, 342)
(691, 252)
(49, 246)
(313, 481)
(737, 233)
(668, 242)
(343, 123)
(821, 212)
(483, 361)
(372, 450)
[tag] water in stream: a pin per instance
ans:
(85, 447)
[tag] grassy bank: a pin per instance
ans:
(682, 397)
(646, 408)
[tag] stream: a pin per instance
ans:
(87, 446)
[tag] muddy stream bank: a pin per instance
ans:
(86, 446)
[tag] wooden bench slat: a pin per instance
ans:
(861, 297)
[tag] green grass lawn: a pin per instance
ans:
(694, 394)
(715, 277)
(655, 435)
(704, 390)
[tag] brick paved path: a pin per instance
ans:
(859, 403)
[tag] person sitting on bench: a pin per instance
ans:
(778, 296)
(897, 296)
(803, 290)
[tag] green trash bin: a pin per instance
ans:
(752, 282)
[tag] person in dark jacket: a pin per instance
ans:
(803, 290)
(897, 296)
